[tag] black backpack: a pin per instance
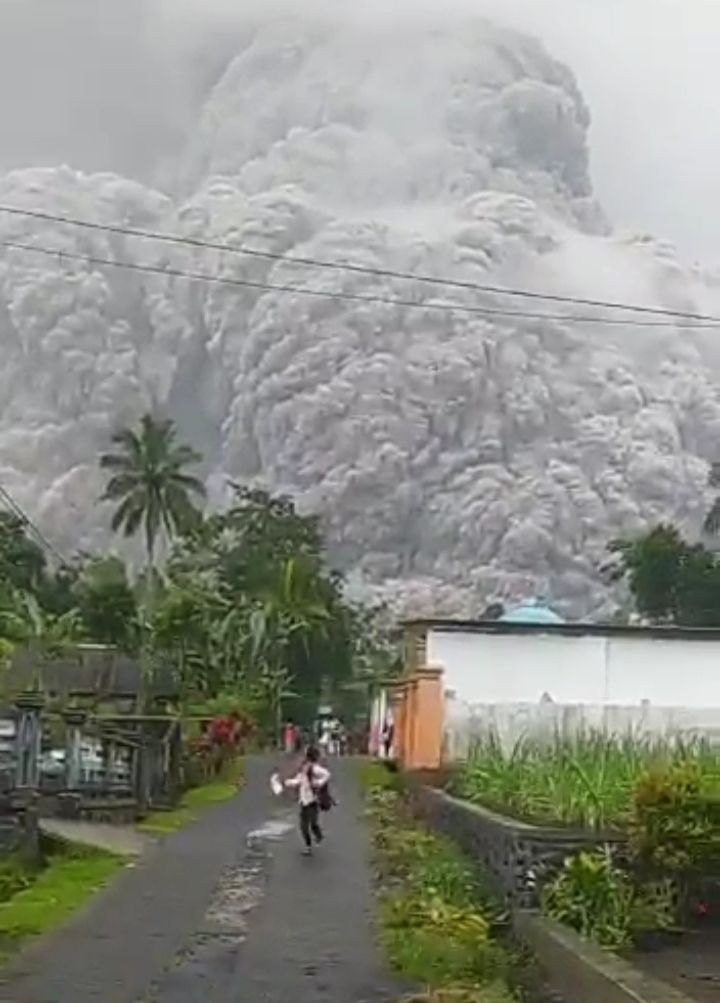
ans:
(324, 798)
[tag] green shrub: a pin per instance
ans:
(436, 926)
(593, 896)
(449, 876)
(675, 825)
(431, 958)
(421, 910)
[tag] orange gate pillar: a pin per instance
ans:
(425, 750)
(411, 718)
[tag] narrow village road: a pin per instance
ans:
(227, 911)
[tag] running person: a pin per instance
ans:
(308, 781)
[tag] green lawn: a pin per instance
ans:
(162, 823)
(71, 877)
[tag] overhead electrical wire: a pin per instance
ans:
(443, 306)
(18, 511)
(685, 319)
(241, 249)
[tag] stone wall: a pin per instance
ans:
(517, 858)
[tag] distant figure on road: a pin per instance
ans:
(388, 736)
(325, 738)
(290, 738)
(311, 782)
(335, 730)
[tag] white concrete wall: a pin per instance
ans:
(539, 684)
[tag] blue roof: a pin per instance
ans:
(531, 611)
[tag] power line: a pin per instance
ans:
(361, 269)
(27, 521)
(353, 297)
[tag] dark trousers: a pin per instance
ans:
(309, 823)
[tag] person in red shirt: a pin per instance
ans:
(290, 736)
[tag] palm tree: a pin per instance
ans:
(149, 480)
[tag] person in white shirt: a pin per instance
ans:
(308, 781)
(325, 737)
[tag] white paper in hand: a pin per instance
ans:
(276, 784)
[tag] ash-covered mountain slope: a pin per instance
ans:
(463, 454)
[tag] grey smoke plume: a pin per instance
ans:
(454, 456)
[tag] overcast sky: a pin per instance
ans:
(80, 83)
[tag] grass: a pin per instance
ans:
(194, 802)
(436, 923)
(70, 878)
(588, 782)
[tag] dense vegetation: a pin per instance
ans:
(241, 604)
(589, 781)
(437, 924)
(664, 798)
(671, 581)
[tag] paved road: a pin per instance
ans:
(226, 911)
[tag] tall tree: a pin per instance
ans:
(149, 480)
(671, 581)
(106, 604)
(281, 608)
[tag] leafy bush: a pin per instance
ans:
(417, 910)
(431, 958)
(597, 899)
(436, 925)
(675, 825)
(450, 877)
(594, 897)
(209, 754)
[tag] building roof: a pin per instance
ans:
(565, 629)
(531, 611)
(93, 670)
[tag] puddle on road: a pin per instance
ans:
(225, 924)
(240, 889)
(274, 829)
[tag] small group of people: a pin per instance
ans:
(312, 783)
(333, 737)
(330, 736)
